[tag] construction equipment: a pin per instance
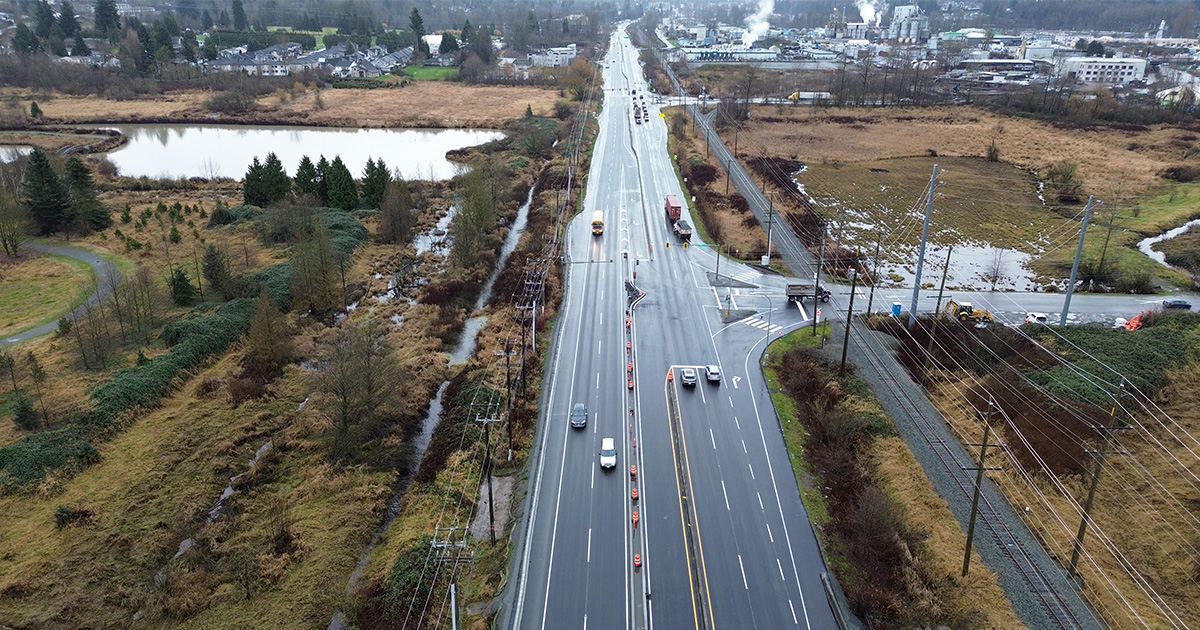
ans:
(965, 312)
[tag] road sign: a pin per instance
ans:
(818, 316)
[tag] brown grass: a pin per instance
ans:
(420, 104)
(978, 596)
(1156, 536)
(1111, 161)
(425, 104)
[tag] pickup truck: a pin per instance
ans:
(797, 292)
(683, 230)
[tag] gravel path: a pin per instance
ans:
(102, 289)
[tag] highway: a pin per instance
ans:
(721, 533)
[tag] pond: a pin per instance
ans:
(227, 151)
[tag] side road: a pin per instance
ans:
(102, 287)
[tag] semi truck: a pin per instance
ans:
(798, 291)
(683, 230)
(673, 207)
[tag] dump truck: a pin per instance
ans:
(797, 292)
(673, 207)
(683, 230)
(966, 312)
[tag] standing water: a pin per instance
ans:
(1147, 244)
(466, 346)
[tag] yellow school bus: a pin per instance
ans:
(598, 222)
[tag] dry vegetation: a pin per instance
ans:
(891, 540)
(1046, 467)
(869, 167)
(420, 104)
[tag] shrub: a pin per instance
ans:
(64, 516)
(24, 415)
(231, 101)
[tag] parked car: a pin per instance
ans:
(1036, 318)
(687, 376)
(579, 415)
(1177, 303)
(712, 373)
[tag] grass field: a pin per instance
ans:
(39, 288)
(867, 169)
(431, 72)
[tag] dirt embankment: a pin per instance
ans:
(428, 104)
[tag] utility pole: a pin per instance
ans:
(849, 320)
(728, 175)
(1114, 424)
(987, 429)
(936, 317)
(817, 280)
(874, 272)
(508, 354)
(912, 311)
(770, 221)
(1087, 216)
(718, 262)
(487, 470)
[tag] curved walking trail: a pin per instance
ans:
(100, 292)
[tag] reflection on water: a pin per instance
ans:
(10, 153)
(226, 151)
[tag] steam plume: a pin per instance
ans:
(757, 25)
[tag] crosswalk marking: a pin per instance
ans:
(762, 324)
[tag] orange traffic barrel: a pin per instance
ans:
(637, 560)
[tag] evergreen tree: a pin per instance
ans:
(274, 180)
(210, 48)
(106, 17)
(417, 26)
(182, 291)
(374, 182)
(216, 270)
(24, 42)
(206, 21)
(481, 45)
(85, 203)
(34, 110)
(252, 186)
(223, 19)
(24, 415)
(44, 19)
(323, 181)
(268, 344)
(396, 219)
(449, 44)
(80, 49)
(306, 178)
(240, 23)
(67, 20)
(342, 190)
(45, 196)
(57, 46)
(466, 31)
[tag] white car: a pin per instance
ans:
(712, 373)
(687, 376)
(608, 453)
(1037, 318)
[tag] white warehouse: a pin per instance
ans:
(1103, 69)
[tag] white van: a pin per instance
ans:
(608, 453)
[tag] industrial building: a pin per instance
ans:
(1103, 69)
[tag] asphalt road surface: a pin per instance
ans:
(721, 534)
(102, 269)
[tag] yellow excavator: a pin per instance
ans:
(965, 312)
